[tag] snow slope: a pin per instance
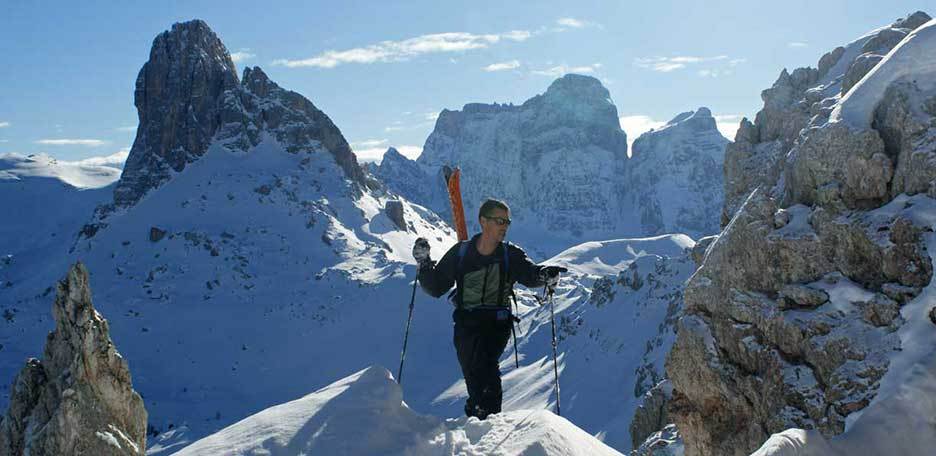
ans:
(45, 202)
(364, 414)
(911, 58)
(263, 284)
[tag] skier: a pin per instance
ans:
(484, 270)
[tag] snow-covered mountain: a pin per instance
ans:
(51, 200)
(267, 265)
(810, 308)
(674, 177)
(560, 161)
(230, 282)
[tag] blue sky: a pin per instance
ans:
(383, 70)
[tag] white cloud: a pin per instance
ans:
(127, 128)
(368, 143)
(560, 70)
(728, 124)
(797, 44)
(431, 116)
(513, 64)
(714, 73)
(72, 142)
(637, 125)
(393, 128)
(242, 55)
(565, 23)
(395, 51)
(516, 35)
(5, 124)
(667, 64)
(570, 22)
(115, 160)
(376, 154)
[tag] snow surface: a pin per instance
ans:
(89, 173)
(912, 59)
(364, 414)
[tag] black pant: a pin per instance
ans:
(480, 340)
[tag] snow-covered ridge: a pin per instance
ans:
(912, 59)
(82, 174)
(364, 414)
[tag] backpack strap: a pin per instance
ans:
(503, 276)
(462, 251)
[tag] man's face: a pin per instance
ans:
(495, 224)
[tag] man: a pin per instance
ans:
(484, 270)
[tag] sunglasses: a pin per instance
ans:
(500, 221)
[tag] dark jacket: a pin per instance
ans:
(479, 279)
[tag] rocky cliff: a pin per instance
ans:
(188, 95)
(793, 317)
(79, 398)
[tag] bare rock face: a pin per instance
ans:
(796, 100)
(859, 68)
(651, 415)
(188, 96)
(792, 317)
(178, 93)
(394, 210)
(702, 245)
(79, 398)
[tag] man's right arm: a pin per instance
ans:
(437, 279)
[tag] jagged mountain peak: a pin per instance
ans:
(188, 97)
(912, 20)
(701, 119)
(581, 86)
(575, 99)
(393, 153)
(197, 39)
(684, 157)
(257, 82)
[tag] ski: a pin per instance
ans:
(452, 184)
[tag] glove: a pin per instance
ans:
(550, 275)
(421, 252)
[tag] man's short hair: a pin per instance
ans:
(490, 205)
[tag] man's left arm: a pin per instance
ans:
(523, 269)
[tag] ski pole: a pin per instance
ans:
(548, 294)
(406, 333)
(513, 321)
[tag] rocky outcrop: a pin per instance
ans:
(394, 210)
(792, 317)
(651, 415)
(756, 156)
(78, 399)
(410, 179)
(188, 95)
